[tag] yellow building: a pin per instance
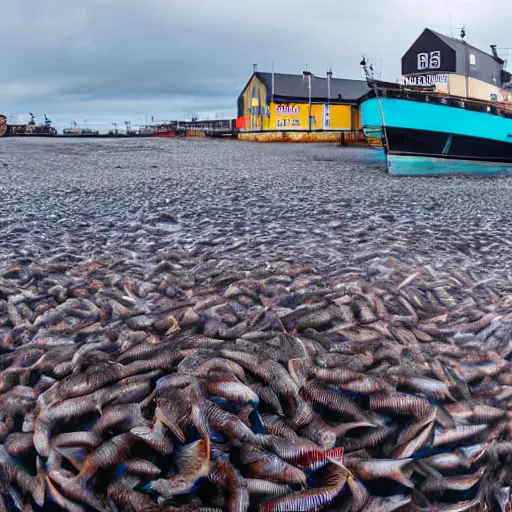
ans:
(299, 107)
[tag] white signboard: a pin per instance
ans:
(288, 109)
(430, 60)
(422, 80)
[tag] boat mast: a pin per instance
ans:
(370, 80)
(466, 67)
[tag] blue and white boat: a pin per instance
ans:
(426, 129)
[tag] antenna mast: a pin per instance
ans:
(367, 68)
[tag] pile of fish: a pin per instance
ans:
(193, 385)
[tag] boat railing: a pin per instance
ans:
(503, 109)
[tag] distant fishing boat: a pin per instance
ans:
(27, 130)
(447, 122)
(166, 133)
(75, 131)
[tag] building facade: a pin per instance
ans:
(282, 103)
(455, 67)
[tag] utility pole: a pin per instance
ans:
(273, 82)
(309, 75)
(466, 70)
(329, 76)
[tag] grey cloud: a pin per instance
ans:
(97, 58)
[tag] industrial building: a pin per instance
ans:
(455, 67)
(278, 106)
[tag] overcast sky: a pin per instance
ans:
(100, 61)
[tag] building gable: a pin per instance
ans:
(429, 54)
(252, 88)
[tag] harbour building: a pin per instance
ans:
(455, 67)
(305, 108)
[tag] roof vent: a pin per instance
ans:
(494, 51)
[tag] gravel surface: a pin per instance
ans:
(315, 203)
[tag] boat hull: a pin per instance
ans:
(425, 138)
(415, 165)
(164, 134)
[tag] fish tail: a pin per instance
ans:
(74, 457)
(425, 469)
(257, 424)
(448, 395)
(397, 472)
(335, 453)
(175, 429)
(146, 487)
(479, 455)
(148, 400)
(53, 493)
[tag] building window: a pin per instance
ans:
(472, 59)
